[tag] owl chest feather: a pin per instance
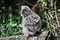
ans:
(31, 22)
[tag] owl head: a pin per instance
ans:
(25, 11)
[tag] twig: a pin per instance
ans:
(24, 1)
(35, 6)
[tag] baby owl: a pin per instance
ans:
(30, 22)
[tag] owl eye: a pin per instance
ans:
(24, 10)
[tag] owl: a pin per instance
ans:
(30, 21)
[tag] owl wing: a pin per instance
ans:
(32, 22)
(32, 19)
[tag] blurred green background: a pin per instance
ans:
(10, 18)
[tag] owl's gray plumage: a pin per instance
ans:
(30, 22)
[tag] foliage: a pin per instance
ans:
(10, 18)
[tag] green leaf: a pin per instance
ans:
(42, 0)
